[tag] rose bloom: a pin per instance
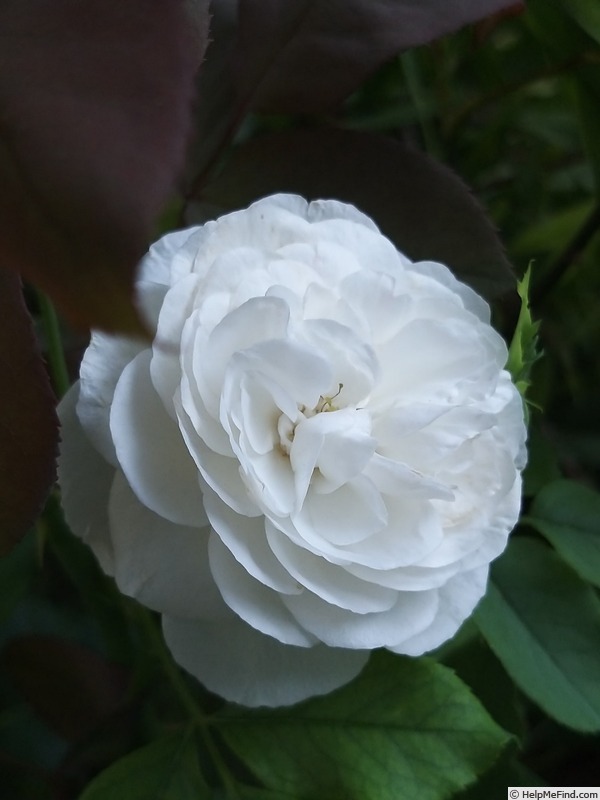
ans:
(318, 455)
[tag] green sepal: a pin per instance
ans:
(523, 351)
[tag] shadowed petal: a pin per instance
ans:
(163, 565)
(151, 450)
(85, 479)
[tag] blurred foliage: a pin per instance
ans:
(512, 105)
(501, 104)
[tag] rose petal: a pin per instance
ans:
(163, 565)
(457, 601)
(381, 301)
(254, 602)
(221, 473)
(442, 275)
(298, 370)
(267, 224)
(169, 249)
(85, 480)
(329, 581)
(245, 538)
(151, 450)
(320, 210)
(337, 443)
(411, 614)
(244, 666)
(259, 319)
(394, 478)
(165, 368)
(413, 531)
(101, 367)
(372, 250)
(405, 579)
(346, 516)
(353, 362)
(430, 360)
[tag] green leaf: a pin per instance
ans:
(505, 772)
(424, 208)
(547, 236)
(405, 728)
(585, 12)
(476, 665)
(167, 769)
(543, 623)
(254, 793)
(568, 515)
(523, 352)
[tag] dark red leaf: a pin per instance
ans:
(425, 209)
(28, 424)
(95, 105)
(69, 686)
(308, 55)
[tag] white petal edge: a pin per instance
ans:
(85, 479)
(244, 666)
(457, 601)
(101, 367)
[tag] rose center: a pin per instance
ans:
(287, 429)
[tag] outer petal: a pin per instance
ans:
(471, 300)
(85, 479)
(267, 224)
(245, 666)
(165, 366)
(171, 247)
(101, 367)
(320, 210)
(372, 249)
(151, 449)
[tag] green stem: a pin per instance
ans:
(414, 83)
(56, 356)
(568, 257)
(461, 116)
(186, 699)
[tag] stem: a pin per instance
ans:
(414, 83)
(186, 699)
(568, 257)
(555, 70)
(56, 356)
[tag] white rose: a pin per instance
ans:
(319, 454)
